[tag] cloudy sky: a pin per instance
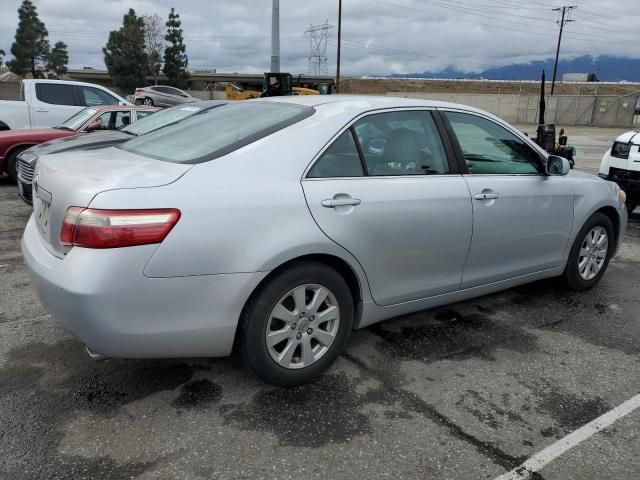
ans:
(379, 36)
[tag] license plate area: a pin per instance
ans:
(41, 210)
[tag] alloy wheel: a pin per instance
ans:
(593, 253)
(302, 326)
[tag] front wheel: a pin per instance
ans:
(590, 253)
(148, 101)
(295, 327)
(12, 163)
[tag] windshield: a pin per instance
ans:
(76, 121)
(161, 119)
(218, 131)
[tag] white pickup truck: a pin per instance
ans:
(47, 103)
(621, 164)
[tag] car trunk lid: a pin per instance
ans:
(75, 178)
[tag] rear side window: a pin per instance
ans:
(217, 132)
(341, 159)
(94, 97)
(55, 93)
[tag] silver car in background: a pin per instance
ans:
(279, 225)
(162, 96)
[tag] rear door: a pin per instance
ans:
(54, 103)
(386, 191)
(522, 218)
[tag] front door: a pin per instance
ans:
(522, 218)
(385, 191)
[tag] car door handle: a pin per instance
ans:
(42, 110)
(341, 202)
(486, 196)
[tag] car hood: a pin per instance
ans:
(38, 134)
(80, 142)
(629, 137)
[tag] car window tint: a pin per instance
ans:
(341, 159)
(141, 115)
(94, 97)
(55, 93)
(490, 149)
(213, 133)
(114, 120)
(401, 143)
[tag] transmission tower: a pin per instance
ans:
(318, 36)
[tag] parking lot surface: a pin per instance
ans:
(467, 391)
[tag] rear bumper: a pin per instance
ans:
(103, 298)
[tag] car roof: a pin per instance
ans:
(106, 108)
(366, 102)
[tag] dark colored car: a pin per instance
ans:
(28, 158)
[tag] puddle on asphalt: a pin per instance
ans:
(451, 335)
(313, 415)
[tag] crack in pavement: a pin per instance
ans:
(418, 405)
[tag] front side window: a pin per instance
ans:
(401, 143)
(490, 149)
(217, 132)
(55, 93)
(341, 159)
(114, 120)
(94, 97)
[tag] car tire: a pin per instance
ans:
(315, 337)
(11, 168)
(587, 248)
(631, 206)
(148, 101)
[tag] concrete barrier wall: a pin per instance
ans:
(600, 111)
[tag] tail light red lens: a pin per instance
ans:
(93, 228)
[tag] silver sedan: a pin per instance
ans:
(277, 226)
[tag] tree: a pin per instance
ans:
(31, 48)
(175, 58)
(2, 55)
(125, 55)
(154, 42)
(58, 59)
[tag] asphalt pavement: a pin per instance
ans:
(468, 391)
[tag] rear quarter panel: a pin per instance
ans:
(244, 212)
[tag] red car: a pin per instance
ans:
(90, 119)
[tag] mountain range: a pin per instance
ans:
(607, 68)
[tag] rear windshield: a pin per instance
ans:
(216, 132)
(163, 118)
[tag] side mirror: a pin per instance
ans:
(93, 126)
(558, 165)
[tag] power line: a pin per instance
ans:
(565, 13)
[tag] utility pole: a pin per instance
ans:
(339, 42)
(275, 36)
(565, 12)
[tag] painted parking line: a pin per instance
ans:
(553, 451)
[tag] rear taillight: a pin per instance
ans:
(93, 228)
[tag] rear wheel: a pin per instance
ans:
(294, 328)
(590, 253)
